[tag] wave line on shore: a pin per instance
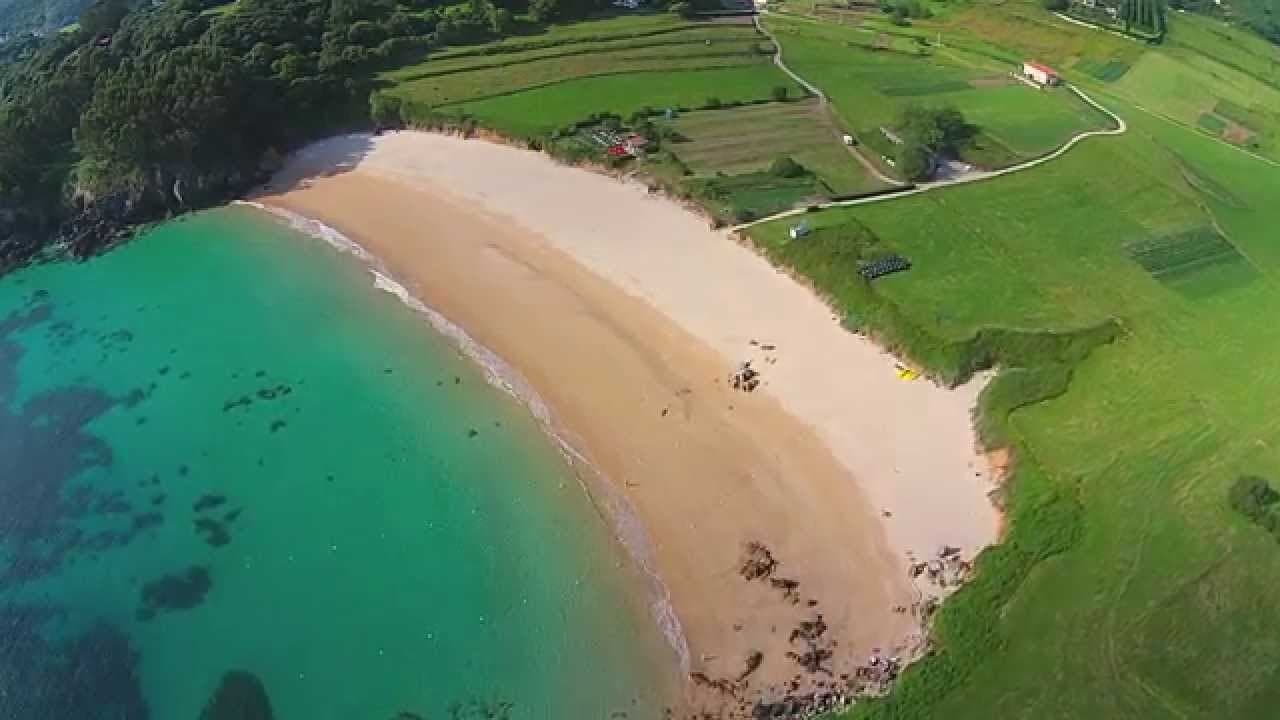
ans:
(616, 510)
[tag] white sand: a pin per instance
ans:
(625, 314)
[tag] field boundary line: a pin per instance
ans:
(823, 102)
(561, 81)
(1121, 128)
(1186, 126)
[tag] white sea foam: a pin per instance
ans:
(617, 511)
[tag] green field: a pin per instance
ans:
(1201, 63)
(744, 140)
(542, 109)
(1125, 291)
(869, 88)
(533, 85)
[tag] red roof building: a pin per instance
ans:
(1040, 74)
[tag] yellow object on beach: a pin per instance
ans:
(906, 373)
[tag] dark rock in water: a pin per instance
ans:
(242, 401)
(215, 533)
(158, 499)
(240, 696)
(113, 504)
(92, 674)
(208, 502)
(183, 470)
(271, 393)
(134, 397)
(231, 515)
(175, 592)
(144, 521)
(406, 715)
(278, 425)
(472, 432)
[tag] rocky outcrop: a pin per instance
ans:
(240, 696)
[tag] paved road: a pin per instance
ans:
(1120, 128)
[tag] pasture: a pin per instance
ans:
(1238, 90)
(744, 140)
(542, 109)
(868, 89)
(1125, 587)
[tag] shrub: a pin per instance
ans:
(787, 168)
(385, 110)
(1056, 5)
(1253, 497)
(713, 103)
(779, 93)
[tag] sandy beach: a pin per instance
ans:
(626, 314)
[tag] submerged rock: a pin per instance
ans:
(240, 696)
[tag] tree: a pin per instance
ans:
(500, 20)
(544, 10)
(365, 33)
(779, 93)
(103, 16)
(915, 161)
(342, 13)
(1056, 5)
(386, 110)
(927, 133)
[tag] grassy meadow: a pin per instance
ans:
(869, 87)
(1124, 290)
(1206, 74)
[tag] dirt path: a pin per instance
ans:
(824, 104)
(1120, 128)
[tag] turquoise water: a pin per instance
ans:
(221, 448)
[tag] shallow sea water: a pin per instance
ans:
(222, 448)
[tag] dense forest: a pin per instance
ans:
(26, 16)
(142, 113)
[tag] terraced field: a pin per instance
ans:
(744, 140)
(531, 86)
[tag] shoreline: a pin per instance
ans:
(501, 375)
(515, 249)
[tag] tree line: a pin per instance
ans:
(144, 112)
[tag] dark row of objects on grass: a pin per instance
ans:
(884, 266)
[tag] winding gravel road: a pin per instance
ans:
(1120, 128)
